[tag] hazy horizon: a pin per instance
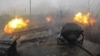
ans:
(22, 7)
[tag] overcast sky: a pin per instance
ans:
(39, 6)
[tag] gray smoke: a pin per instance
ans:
(61, 12)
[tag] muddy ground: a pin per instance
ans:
(44, 43)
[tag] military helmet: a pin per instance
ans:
(71, 32)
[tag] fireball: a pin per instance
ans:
(15, 24)
(48, 19)
(84, 19)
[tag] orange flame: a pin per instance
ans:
(48, 19)
(84, 19)
(15, 24)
